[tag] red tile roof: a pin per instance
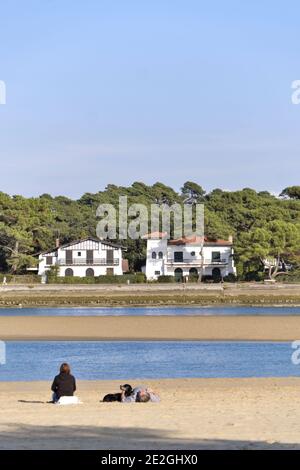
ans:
(189, 240)
(155, 235)
(198, 241)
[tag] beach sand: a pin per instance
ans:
(226, 328)
(193, 414)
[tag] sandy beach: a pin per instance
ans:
(193, 414)
(226, 328)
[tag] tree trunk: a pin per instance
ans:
(273, 274)
(201, 266)
(15, 255)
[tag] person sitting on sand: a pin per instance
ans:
(64, 384)
(140, 394)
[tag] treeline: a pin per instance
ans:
(263, 225)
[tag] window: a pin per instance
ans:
(49, 260)
(69, 272)
(157, 273)
(153, 255)
(193, 253)
(89, 272)
(178, 256)
(160, 255)
(79, 253)
(216, 256)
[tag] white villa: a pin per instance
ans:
(87, 257)
(188, 256)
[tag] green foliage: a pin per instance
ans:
(262, 225)
(52, 273)
(230, 278)
(105, 279)
(165, 279)
(292, 192)
(20, 279)
(193, 191)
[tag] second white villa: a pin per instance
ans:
(87, 257)
(188, 257)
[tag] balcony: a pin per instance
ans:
(216, 262)
(88, 262)
(198, 262)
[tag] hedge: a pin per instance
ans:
(165, 278)
(20, 278)
(105, 279)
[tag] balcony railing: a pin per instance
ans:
(216, 261)
(197, 261)
(87, 262)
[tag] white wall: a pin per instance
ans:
(99, 251)
(155, 265)
(163, 266)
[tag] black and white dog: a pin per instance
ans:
(117, 396)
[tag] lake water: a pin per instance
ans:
(144, 360)
(153, 311)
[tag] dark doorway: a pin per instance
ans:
(69, 272)
(216, 275)
(193, 275)
(110, 257)
(69, 257)
(89, 257)
(89, 272)
(49, 260)
(178, 274)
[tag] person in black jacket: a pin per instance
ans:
(64, 384)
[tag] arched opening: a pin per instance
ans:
(69, 272)
(160, 255)
(153, 255)
(216, 275)
(89, 272)
(193, 275)
(178, 274)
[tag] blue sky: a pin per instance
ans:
(119, 91)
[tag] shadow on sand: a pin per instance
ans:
(19, 436)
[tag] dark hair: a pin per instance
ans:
(142, 398)
(65, 368)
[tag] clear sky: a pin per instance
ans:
(116, 91)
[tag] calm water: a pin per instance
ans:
(144, 360)
(141, 311)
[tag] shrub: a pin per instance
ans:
(255, 276)
(71, 280)
(166, 278)
(104, 279)
(230, 278)
(20, 278)
(134, 278)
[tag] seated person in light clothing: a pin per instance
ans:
(141, 394)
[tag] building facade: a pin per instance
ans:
(188, 257)
(87, 257)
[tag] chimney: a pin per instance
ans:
(230, 239)
(57, 243)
